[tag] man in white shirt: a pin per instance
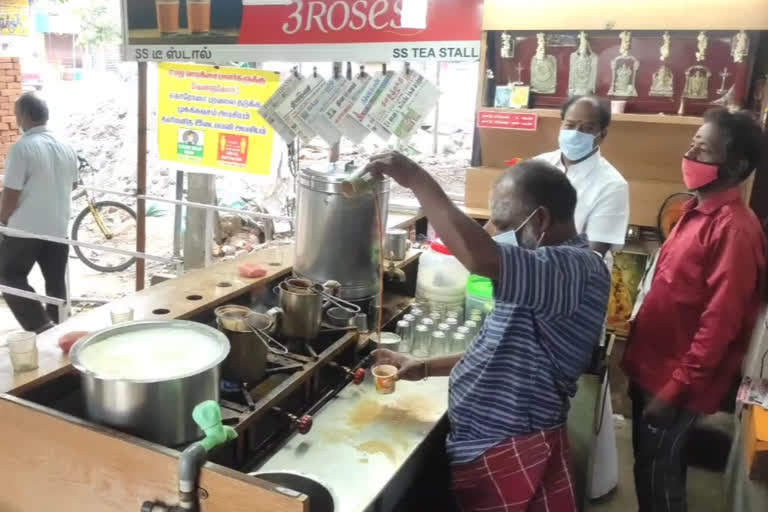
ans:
(602, 209)
(602, 212)
(40, 174)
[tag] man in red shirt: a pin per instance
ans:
(692, 330)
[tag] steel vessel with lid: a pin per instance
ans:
(337, 237)
(159, 407)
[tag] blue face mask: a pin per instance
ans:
(575, 145)
(508, 238)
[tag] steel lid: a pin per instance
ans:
(331, 181)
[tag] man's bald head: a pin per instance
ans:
(587, 114)
(527, 186)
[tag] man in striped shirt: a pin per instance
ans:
(510, 392)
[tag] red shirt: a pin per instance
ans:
(693, 329)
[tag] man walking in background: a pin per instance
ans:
(40, 174)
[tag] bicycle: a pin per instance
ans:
(107, 222)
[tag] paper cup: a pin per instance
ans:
(618, 106)
(384, 378)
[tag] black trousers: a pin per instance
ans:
(660, 462)
(17, 257)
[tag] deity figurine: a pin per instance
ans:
(665, 46)
(663, 82)
(543, 68)
(507, 51)
(541, 42)
(626, 41)
(583, 48)
(697, 83)
(624, 69)
(623, 76)
(663, 79)
(583, 77)
(702, 43)
(740, 46)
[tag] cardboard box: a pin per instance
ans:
(756, 443)
(479, 183)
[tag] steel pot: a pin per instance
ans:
(158, 410)
(303, 311)
(340, 317)
(337, 237)
(396, 244)
(249, 339)
(232, 317)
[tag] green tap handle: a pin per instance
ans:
(207, 415)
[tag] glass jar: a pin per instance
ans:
(429, 323)
(421, 341)
(473, 327)
(458, 343)
(405, 332)
(438, 347)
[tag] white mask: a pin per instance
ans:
(510, 237)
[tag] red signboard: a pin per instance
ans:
(305, 30)
(233, 149)
(507, 120)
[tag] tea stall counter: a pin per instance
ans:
(363, 443)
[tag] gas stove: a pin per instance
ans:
(265, 413)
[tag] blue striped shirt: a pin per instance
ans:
(519, 373)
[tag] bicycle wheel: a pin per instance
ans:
(120, 219)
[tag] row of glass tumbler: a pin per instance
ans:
(435, 334)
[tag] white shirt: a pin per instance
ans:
(44, 169)
(602, 206)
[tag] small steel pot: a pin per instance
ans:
(247, 361)
(396, 244)
(232, 317)
(341, 317)
(303, 312)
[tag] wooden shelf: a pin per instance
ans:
(632, 118)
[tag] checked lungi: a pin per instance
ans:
(525, 474)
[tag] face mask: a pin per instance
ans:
(575, 145)
(698, 174)
(510, 237)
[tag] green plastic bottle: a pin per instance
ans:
(479, 294)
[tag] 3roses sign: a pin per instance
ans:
(221, 31)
